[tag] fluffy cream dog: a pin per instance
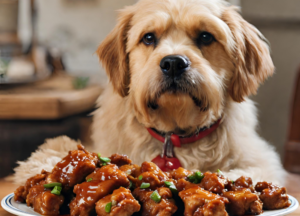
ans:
(179, 66)
(227, 59)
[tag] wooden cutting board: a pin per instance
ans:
(53, 98)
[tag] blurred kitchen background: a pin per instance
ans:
(54, 43)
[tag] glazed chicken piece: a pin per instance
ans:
(72, 169)
(213, 182)
(131, 170)
(107, 172)
(241, 182)
(165, 207)
(242, 201)
(22, 191)
(180, 173)
(183, 184)
(199, 202)
(120, 160)
(152, 174)
(101, 183)
(272, 196)
(123, 204)
(43, 201)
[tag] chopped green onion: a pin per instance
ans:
(105, 159)
(140, 177)
(90, 179)
(108, 207)
(56, 190)
(171, 186)
(103, 164)
(144, 185)
(155, 197)
(173, 189)
(52, 185)
(130, 184)
(220, 172)
(99, 156)
(199, 176)
(196, 178)
(168, 184)
(192, 178)
(232, 181)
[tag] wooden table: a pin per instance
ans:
(53, 98)
(293, 189)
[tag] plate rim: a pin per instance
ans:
(13, 210)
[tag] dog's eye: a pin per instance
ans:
(149, 39)
(205, 38)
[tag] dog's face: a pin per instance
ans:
(180, 61)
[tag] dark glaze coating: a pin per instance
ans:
(166, 207)
(242, 201)
(105, 181)
(43, 201)
(153, 175)
(244, 182)
(124, 204)
(73, 168)
(183, 184)
(198, 201)
(213, 182)
(102, 185)
(272, 196)
(108, 172)
(180, 173)
(132, 170)
(22, 191)
(120, 160)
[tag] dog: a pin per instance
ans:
(179, 66)
(177, 69)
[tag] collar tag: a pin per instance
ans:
(168, 148)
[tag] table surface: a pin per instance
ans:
(293, 189)
(52, 98)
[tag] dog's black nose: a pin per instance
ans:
(174, 65)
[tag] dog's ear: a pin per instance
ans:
(251, 56)
(113, 56)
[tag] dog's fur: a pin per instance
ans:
(222, 76)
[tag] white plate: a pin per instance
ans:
(21, 209)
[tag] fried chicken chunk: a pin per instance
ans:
(152, 174)
(242, 201)
(22, 191)
(43, 201)
(123, 204)
(213, 182)
(72, 169)
(199, 202)
(165, 207)
(183, 184)
(132, 170)
(180, 173)
(102, 182)
(120, 160)
(107, 172)
(272, 196)
(241, 182)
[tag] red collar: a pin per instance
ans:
(170, 163)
